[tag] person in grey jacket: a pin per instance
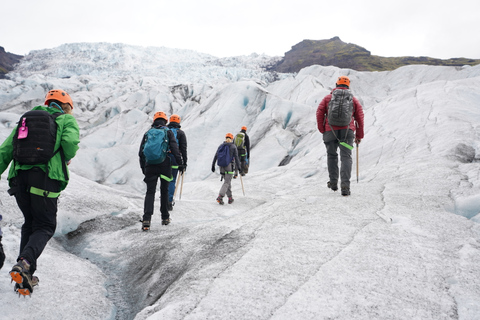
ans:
(227, 171)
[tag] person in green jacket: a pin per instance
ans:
(36, 186)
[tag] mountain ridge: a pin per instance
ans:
(335, 52)
(7, 62)
(329, 52)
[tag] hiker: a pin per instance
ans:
(340, 131)
(36, 179)
(225, 156)
(181, 138)
(242, 142)
(2, 254)
(157, 169)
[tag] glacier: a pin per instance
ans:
(404, 245)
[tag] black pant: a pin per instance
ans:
(40, 213)
(242, 154)
(152, 174)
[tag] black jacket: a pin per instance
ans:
(173, 147)
(182, 140)
(246, 143)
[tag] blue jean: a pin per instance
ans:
(171, 186)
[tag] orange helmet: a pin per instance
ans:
(58, 95)
(343, 80)
(161, 115)
(229, 135)
(244, 128)
(175, 118)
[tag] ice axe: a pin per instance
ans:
(357, 162)
(181, 187)
(176, 188)
(241, 181)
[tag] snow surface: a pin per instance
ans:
(404, 245)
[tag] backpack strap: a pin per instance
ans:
(62, 154)
(342, 143)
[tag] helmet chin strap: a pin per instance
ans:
(54, 104)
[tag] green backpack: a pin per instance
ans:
(239, 140)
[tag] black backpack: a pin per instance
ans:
(340, 108)
(34, 140)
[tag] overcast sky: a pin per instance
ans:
(231, 27)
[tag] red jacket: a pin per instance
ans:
(357, 120)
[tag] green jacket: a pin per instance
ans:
(68, 137)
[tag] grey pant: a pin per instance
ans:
(332, 144)
(226, 188)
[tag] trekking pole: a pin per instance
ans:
(243, 189)
(357, 162)
(181, 187)
(176, 188)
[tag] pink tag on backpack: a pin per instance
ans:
(23, 130)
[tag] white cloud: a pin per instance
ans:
(230, 28)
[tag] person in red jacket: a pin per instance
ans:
(343, 137)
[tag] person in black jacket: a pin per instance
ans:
(242, 141)
(181, 139)
(154, 171)
(227, 171)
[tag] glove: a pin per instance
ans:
(357, 141)
(213, 168)
(182, 168)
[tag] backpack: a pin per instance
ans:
(224, 158)
(239, 140)
(340, 108)
(35, 137)
(175, 132)
(156, 145)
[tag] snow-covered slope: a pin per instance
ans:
(404, 245)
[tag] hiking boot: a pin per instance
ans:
(230, 200)
(332, 186)
(145, 225)
(220, 199)
(23, 279)
(345, 191)
(170, 206)
(166, 221)
(35, 282)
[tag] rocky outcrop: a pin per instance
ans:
(7, 62)
(335, 52)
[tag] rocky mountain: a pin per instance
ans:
(7, 62)
(335, 52)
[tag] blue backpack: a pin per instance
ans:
(223, 155)
(156, 146)
(175, 132)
